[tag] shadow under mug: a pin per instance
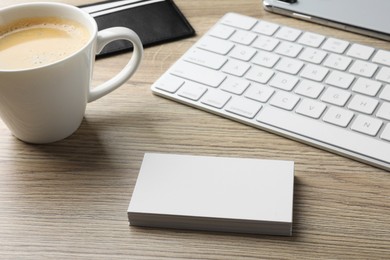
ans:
(48, 103)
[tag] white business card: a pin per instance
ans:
(214, 193)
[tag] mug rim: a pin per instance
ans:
(86, 16)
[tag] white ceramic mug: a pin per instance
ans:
(48, 103)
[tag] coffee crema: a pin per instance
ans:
(35, 42)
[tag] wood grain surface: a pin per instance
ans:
(68, 200)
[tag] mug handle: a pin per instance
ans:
(106, 36)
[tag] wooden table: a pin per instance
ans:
(68, 200)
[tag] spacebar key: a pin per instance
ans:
(325, 133)
(198, 74)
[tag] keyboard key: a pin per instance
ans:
(235, 85)
(311, 108)
(192, 90)
(169, 83)
(259, 74)
(384, 74)
(314, 72)
(287, 33)
(266, 59)
(311, 39)
(340, 79)
(366, 125)
(215, 45)
(243, 37)
(360, 51)
(338, 116)
(198, 74)
(215, 98)
(312, 55)
(288, 65)
(309, 89)
(243, 107)
(336, 96)
(367, 86)
(385, 94)
(261, 93)
(284, 100)
(243, 53)
(205, 58)
(363, 68)
(384, 111)
(239, 21)
(289, 49)
(386, 133)
(338, 62)
(363, 104)
(329, 134)
(222, 31)
(382, 57)
(284, 81)
(236, 68)
(266, 28)
(335, 45)
(265, 43)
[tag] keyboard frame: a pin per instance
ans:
(256, 124)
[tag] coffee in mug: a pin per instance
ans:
(34, 42)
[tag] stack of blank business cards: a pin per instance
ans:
(214, 194)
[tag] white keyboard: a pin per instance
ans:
(323, 91)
